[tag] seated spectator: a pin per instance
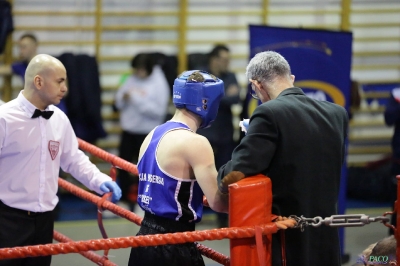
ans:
(27, 47)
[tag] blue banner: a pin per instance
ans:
(321, 63)
(320, 59)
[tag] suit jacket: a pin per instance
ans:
(299, 143)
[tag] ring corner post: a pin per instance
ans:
(250, 204)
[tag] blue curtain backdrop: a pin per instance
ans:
(321, 63)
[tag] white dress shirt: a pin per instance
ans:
(146, 107)
(31, 153)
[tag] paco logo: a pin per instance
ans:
(377, 260)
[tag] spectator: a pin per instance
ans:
(220, 133)
(27, 47)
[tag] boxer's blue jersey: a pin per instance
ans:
(163, 194)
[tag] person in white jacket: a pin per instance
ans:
(142, 101)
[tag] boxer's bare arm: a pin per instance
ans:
(201, 157)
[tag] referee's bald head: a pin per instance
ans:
(42, 65)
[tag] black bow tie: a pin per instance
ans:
(44, 114)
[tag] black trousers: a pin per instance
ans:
(172, 255)
(129, 150)
(23, 228)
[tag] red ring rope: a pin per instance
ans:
(136, 241)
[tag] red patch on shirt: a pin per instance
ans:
(53, 148)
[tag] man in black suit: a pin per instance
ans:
(300, 144)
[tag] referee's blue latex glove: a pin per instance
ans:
(111, 186)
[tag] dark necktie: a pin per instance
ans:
(44, 114)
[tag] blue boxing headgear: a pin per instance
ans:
(200, 93)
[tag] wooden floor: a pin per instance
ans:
(356, 238)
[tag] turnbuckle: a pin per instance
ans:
(352, 220)
(341, 220)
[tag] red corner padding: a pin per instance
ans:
(250, 203)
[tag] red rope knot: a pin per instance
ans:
(389, 225)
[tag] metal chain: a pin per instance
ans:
(344, 220)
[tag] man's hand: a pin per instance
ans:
(111, 186)
(230, 178)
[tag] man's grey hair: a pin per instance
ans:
(267, 66)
